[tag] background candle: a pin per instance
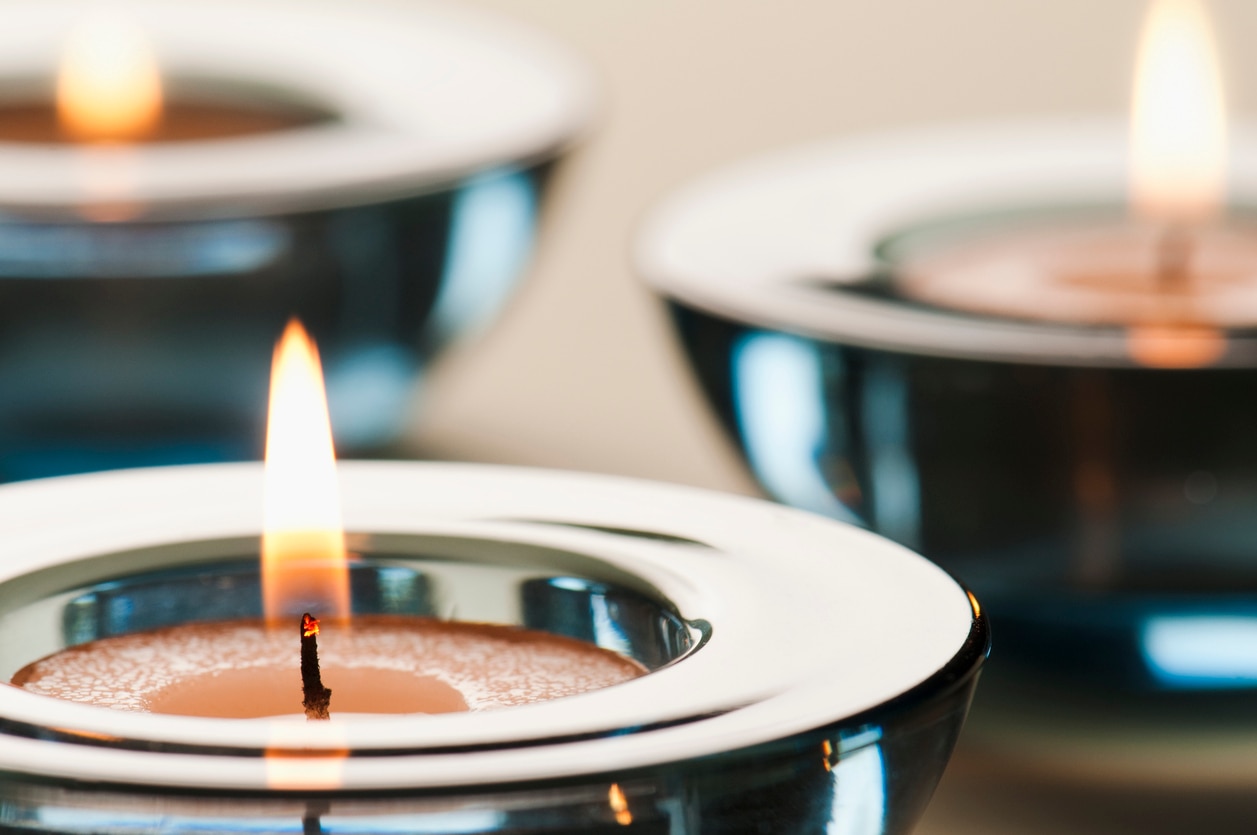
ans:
(985, 357)
(387, 189)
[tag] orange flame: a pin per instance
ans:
(1178, 117)
(619, 805)
(108, 86)
(304, 562)
(309, 626)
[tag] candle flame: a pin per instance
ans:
(108, 86)
(304, 562)
(1178, 117)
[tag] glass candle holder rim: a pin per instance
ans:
(497, 94)
(785, 241)
(800, 693)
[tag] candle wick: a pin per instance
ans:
(315, 698)
(1175, 248)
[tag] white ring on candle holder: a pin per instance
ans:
(425, 93)
(810, 621)
(759, 241)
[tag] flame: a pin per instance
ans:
(309, 626)
(619, 805)
(304, 562)
(108, 85)
(1178, 117)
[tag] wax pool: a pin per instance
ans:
(1093, 274)
(376, 664)
(181, 120)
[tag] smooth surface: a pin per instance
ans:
(762, 576)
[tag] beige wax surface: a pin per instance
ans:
(1101, 274)
(374, 665)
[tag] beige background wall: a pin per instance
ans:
(581, 372)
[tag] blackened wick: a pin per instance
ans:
(315, 698)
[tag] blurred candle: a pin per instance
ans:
(108, 84)
(1174, 274)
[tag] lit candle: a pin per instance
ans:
(1175, 275)
(380, 664)
(840, 726)
(1026, 347)
(109, 91)
(203, 169)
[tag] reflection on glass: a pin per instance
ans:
(1192, 651)
(490, 241)
(859, 794)
(780, 408)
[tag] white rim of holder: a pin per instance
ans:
(869, 619)
(757, 242)
(425, 92)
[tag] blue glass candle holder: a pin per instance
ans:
(392, 203)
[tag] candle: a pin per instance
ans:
(164, 215)
(960, 337)
(109, 89)
(1174, 276)
(249, 669)
(839, 725)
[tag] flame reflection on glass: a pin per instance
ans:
(619, 805)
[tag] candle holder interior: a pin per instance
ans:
(1100, 506)
(194, 109)
(409, 578)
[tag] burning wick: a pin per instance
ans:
(315, 698)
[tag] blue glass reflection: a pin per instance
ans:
(368, 393)
(779, 402)
(491, 236)
(1194, 651)
(225, 247)
(892, 469)
(859, 805)
(442, 823)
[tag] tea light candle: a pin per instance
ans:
(1175, 275)
(377, 167)
(841, 725)
(964, 339)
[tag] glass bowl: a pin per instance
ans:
(803, 676)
